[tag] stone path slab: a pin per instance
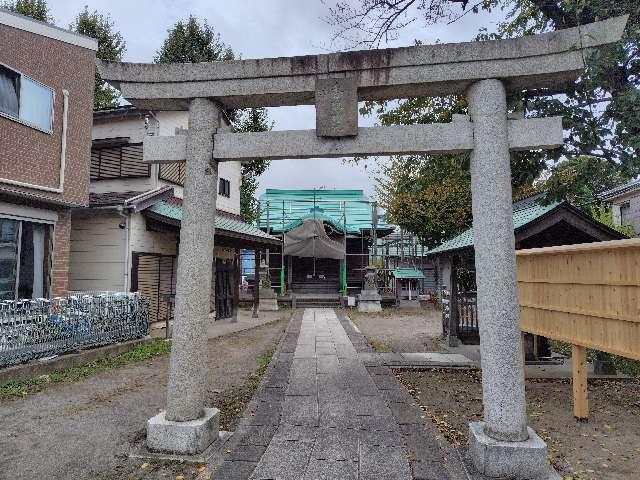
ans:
(323, 414)
(331, 408)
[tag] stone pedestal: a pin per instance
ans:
(523, 460)
(369, 301)
(268, 301)
(187, 438)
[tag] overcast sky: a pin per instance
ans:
(264, 28)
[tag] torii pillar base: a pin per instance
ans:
(524, 460)
(185, 438)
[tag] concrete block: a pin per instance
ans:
(164, 149)
(336, 107)
(369, 306)
(524, 460)
(268, 301)
(369, 301)
(189, 437)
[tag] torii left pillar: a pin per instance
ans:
(187, 426)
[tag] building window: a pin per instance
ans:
(25, 100)
(111, 160)
(25, 249)
(224, 187)
(173, 172)
(625, 214)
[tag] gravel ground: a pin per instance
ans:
(400, 331)
(605, 448)
(86, 429)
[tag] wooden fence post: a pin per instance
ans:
(580, 399)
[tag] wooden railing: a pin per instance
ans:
(587, 295)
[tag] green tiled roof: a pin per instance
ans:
(286, 209)
(172, 209)
(407, 273)
(523, 214)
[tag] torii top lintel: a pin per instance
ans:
(548, 61)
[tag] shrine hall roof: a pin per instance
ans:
(524, 212)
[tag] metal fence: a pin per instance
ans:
(460, 313)
(31, 329)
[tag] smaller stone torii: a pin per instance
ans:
(486, 72)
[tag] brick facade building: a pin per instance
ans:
(46, 103)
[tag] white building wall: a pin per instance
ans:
(168, 125)
(633, 200)
(165, 124)
(101, 251)
(97, 257)
(132, 128)
(169, 122)
(145, 241)
(232, 172)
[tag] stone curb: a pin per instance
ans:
(431, 456)
(233, 447)
(36, 368)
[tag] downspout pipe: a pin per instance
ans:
(125, 213)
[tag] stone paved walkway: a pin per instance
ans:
(322, 414)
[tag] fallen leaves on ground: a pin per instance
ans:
(604, 448)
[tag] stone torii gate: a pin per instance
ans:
(486, 72)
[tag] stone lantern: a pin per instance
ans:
(370, 299)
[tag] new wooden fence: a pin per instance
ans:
(587, 295)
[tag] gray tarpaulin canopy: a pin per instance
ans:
(311, 240)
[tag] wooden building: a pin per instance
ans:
(327, 235)
(128, 237)
(535, 225)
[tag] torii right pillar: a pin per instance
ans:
(502, 445)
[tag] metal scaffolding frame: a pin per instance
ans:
(387, 252)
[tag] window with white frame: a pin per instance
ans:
(25, 100)
(25, 255)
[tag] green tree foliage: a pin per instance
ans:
(190, 41)
(580, 180)
(431, 195)
(36, 9)
(252, 120)
(111, 47)
(601, 110)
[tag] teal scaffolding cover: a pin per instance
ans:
(341, 210)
